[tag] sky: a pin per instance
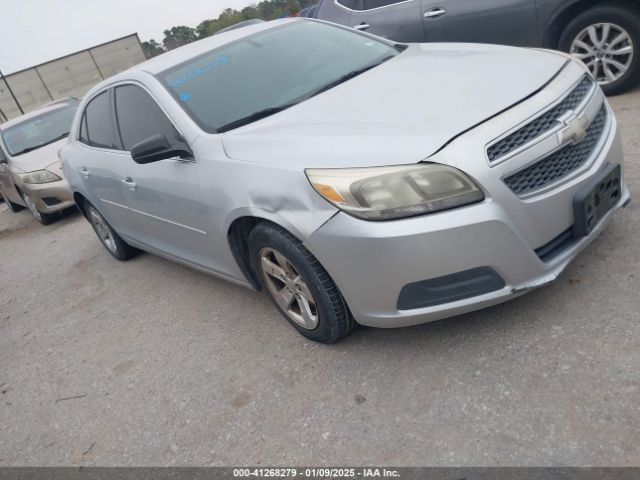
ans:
(36, 31)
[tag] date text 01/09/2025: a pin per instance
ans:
(315, 472)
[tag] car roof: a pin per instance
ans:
(34, 113)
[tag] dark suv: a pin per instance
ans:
(605, 34)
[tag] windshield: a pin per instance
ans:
(39, 131)
(272, 70)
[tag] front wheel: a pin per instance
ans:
(298, 285)
(43, 218)
(607, 39)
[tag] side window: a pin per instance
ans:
(371, 4)
(97, 124)
(350, 4)
(140, 117)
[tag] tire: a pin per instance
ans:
(43, 218)
(111, 241)
(14, 207)
(307, 280)
(620, 19)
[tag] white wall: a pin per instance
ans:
(70, 76)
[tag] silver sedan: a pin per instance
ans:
(353, 179)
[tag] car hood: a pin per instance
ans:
(38, 159)
(402, 111)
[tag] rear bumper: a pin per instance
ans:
(371, 262)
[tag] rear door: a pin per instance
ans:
(400, 21)
(336, 11)
(507, 22)
(99, 159)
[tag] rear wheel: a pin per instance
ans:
(607, 40)
(298, 285)
(114, 244)
(43, 218)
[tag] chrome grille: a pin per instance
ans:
(542, 124)
(561, 163)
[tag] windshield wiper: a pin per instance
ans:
(31, 149)
(253, 117)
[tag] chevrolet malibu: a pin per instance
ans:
(351, 178)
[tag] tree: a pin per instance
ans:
(264, 10)
(179, 36)
(249, 13)
(204, 29)
(152, 48)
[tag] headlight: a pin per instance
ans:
(386, 193)
(40, 176)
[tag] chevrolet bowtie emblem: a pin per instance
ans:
(576, 130)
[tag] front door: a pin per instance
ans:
(164, 198)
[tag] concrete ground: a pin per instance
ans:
(151, 363)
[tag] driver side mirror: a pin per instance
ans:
(3, 158)
(157, 147)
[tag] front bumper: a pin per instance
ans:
(372, 270)
(49, 197)
(371, 262)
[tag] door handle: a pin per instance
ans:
(84, 172)
(362, 26)
(435, 12)
(131, 185)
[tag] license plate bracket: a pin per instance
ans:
(594, 201)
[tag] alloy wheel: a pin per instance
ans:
(606, 49)
(288, 289)
(32, 207)
(103, 230)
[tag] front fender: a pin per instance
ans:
(298, 223)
